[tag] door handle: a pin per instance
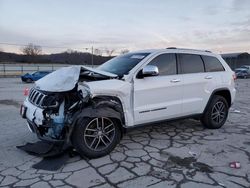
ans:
(175, 80)
(208, 77)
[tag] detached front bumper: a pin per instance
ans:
(33, 127)
(35, 120)
(32, 113)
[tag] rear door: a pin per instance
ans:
(158, 97)
(197, 83)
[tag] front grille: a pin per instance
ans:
(36, 97)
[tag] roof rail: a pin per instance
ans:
(189, 49)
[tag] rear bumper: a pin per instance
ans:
(233, 93)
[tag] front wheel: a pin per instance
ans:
(216, 113)
(96, 137)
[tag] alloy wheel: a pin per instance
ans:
(99, 133)
(219, 112)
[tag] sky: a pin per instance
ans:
(222, 26)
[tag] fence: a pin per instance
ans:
(14, 69)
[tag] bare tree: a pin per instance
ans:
(32, 50)
(97, 52)
(124, 51)
(69, 51)
(109, 52)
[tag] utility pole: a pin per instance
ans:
(92, 56)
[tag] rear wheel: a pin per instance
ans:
(216, 113)
(96, 137)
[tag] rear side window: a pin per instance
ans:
(212, 64)
(166, 64)
(191, 63)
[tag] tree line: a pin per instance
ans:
(33, 54)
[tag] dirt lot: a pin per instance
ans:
(175, 154)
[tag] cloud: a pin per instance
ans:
(225, 39)
(242, 23)
(211, 10)
(240, 5)
(136, 25)
(185, 18)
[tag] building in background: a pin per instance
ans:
(236, 60)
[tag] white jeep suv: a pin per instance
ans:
(90, 108)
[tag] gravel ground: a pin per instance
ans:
(174, 154)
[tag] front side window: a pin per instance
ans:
(212, 64)
(121, 65)
(166, 64)
(191, 63)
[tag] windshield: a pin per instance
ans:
(121, 65)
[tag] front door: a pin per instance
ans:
(158, 97)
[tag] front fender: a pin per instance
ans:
(100, 112)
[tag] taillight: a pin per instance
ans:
(26, 91)
(234, 76)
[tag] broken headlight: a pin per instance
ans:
(50, 101)
(85, 93)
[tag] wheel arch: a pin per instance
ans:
(103, 106)
(112, 102)
(224, 92)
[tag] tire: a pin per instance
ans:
(89, 139)
(216, 113)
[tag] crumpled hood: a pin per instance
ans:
(65, 79)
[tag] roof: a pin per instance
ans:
(233, 55)
(173, 49)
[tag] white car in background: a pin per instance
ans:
(90, 108)
(243, 71)
(243, 68)
(247, 67)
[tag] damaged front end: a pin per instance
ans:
(53, 104)
(56, 112)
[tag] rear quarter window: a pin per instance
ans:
(212, 64)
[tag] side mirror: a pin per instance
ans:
(150, 70)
